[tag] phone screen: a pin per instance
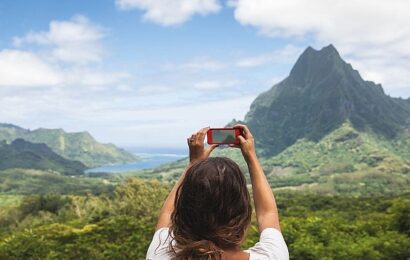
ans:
(223, 136)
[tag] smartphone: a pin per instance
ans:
(223, 135)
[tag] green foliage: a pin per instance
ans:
(401, 219)
(119, 237)
(7, 201)
(24, 181)
(23, 154)
(48, 202)
(120, 225)
(344, 162)
(139, 199)
(336, 154)
(328, 227)
(74, 146)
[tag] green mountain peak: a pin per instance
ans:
(321, 93)
(313, 64)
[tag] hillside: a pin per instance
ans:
(320, 94)
(79, 146)
(23, 154)
(345, 161)
(29, 182)
(405, 103)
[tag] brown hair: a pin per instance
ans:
(212, 210)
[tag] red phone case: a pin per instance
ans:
(209, 135)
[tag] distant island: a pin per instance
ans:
(79, 146)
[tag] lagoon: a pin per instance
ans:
(149, 161)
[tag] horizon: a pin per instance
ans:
(138, 74)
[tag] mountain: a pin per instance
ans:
(26, 155)
(321, 93)
(345, 161)
(405, 103)
(324, 129)
(79, 146)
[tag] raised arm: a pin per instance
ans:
(265, 205)
(197, 152)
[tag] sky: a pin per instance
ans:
(148, 73)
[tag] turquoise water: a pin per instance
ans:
(149, 160)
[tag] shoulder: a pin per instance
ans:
(159, 247)
(271, 245)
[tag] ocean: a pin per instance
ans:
(149, 160)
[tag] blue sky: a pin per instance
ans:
(146, 73)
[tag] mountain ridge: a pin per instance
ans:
(321, 93)
(80, 146)
(23, 154)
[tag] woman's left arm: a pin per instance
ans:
(197, 152)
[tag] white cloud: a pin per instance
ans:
(147, 90)
(195, 65)
(200, 64)
(206, 85)
(286, 55)
(21, 68)
(216, 84)
(373, 33)
(119, 118)
(362, 20)
(41, 88)
(67, 48)
(89, 77)
(168, 126)
(73, 41)
(27, 69)
(170, 12)
(391, 71)
(254, 61)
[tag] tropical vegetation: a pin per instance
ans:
(120, 225)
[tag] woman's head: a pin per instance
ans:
(212, 209)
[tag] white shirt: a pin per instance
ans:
(271, 245)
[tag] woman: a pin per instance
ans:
(207, 213)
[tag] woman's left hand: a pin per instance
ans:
(197, 150)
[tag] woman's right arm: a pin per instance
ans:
(265, 205)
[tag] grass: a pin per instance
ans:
(10, 201)
(28, 181)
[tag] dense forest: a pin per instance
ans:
(120, 224)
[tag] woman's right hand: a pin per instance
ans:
(247, 143)
(197, 150)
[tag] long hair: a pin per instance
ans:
(212, 210)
